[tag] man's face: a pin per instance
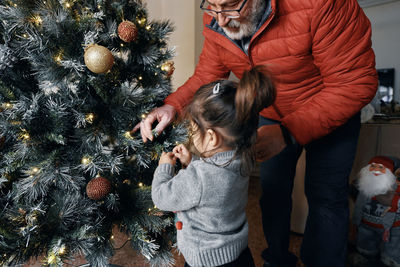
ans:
(243, 26)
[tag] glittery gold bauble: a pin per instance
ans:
(127, 31)
(98, 59)
(98, 188)
(168, 67)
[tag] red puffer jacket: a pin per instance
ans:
(319, 53)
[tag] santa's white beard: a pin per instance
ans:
(372, 185)
(247, 27)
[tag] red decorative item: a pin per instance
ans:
(127, 31)
(98, 188)
(178, 225)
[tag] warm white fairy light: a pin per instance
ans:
(8, 105)
(85, 160)
(89, 117)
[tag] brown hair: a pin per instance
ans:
(232, 111)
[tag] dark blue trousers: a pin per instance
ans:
(328, 164)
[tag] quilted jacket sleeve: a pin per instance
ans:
(342, 51)
(208, 69)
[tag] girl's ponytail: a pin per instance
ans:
(255, 92)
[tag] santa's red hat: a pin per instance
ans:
(385, 161)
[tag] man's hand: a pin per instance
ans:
(183, 154)
(164, 115)
(167, 157)
(270, 142)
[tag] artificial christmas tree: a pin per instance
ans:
(71, 90)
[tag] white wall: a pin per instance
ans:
(385, 21)
(182, 15)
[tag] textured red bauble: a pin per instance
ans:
(127, 31)
(98, 188)
(179, 225)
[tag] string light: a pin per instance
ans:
(148, 27)
(143, 116)
(140, 78)
(51, 259)
(62, 250)
(140, 184)
(141, 21)
(68, 5)
(8, 105)
(86, 160)
(35, 170)
(89, 117)
(37, 20)
(128, 135)
(24, 135)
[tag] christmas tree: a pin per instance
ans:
(75, 77)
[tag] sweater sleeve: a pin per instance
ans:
(176, 193)
(341, 36)
(208, 69)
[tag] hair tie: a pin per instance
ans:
(216, 88)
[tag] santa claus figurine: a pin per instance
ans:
(377, 212)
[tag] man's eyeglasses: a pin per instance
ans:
(231, 14)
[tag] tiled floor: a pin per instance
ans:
(127, 257)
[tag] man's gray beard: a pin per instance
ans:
(371, 185)
(249, 26)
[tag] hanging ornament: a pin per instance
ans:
(127, 31)
(168, 67)
(98, 59)
(98, 188)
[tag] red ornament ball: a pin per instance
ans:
(127, 31)
(179, 225)
(98, 188)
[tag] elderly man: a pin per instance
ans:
(319, 52)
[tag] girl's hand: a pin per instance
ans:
(183, 154)
(167, 157)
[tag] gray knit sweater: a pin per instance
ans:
(210, 201)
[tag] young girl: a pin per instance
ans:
(210, 192)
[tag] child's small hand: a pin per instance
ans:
(167, 157)
(183, 154)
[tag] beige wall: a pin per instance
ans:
(184, 15)
(385, 22)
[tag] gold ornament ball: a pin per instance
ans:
(127, 31)
(168, 67)
(98, 59)
(98, 188)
